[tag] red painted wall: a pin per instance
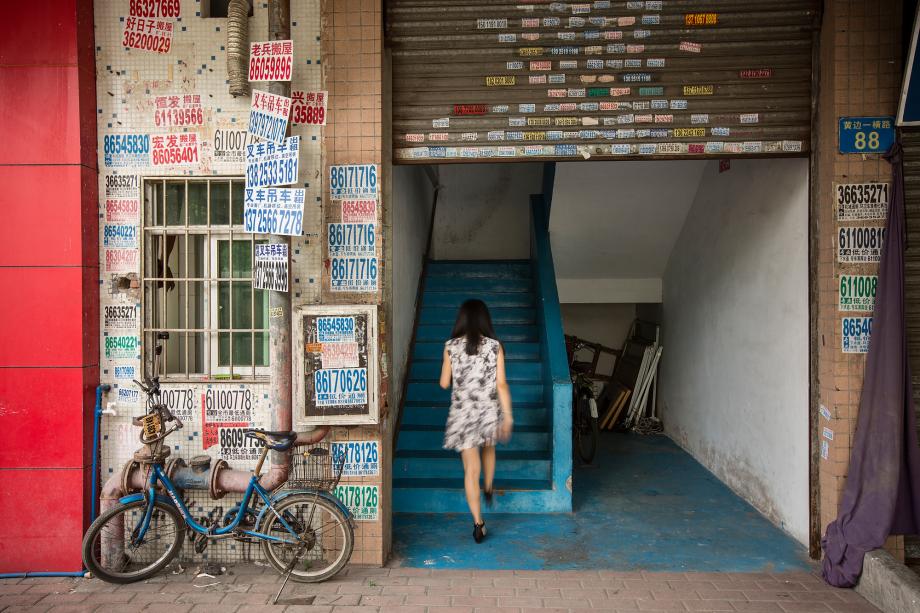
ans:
(49, 281)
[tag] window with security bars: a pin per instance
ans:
(197, 281)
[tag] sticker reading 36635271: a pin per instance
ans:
(126, 346)
(860, 244)
(860, 201)
(353, 239)
(274, 210)
(353, 181)
(855, 334)
(857, 292)
(340, 387)
(335, 329)
(354, 274)
(270, 164)
(120, 317)
(270, 267)
(268, 115)
(362, 458)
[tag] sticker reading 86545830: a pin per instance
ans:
(353, 181)
(340, 387)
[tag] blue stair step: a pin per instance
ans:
(430, 370)
(508, 334)
(501, 485)
(429, 414)
(511, 496)
(500, 315)
(434, 350)
(525, 438)
(466, 284)
(474, 269)
(494, 300)
(446, 464)
(428, 391)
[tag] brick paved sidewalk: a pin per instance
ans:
(414, 590)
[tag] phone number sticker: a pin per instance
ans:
(120, 317)
(121, 347)
(268, 115)
(271, 61)
(309, 108)
(860, 244)
(270, 267)
(860, 201)
(362, 458)
(270, 164)
(352, 239)
(179, 401)
(855, 334)
(235, 445)
(274, 210)
(230, 146)
(119, 236)
(353, 181)
(174, 149)
(359, 211)
(335, 329)
(857, 292)
(354, 274)
(340, 387)
(223, 405)
(362, 500)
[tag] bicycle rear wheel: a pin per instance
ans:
(586, 429)
(327, 538)
(111, 553)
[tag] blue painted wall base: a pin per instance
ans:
(645, 504)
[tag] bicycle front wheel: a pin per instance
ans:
(113, 552)
(326, 538)
(586, 430)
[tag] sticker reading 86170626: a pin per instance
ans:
(337, 387)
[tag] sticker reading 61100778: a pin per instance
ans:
(339, 387)
(353, 181)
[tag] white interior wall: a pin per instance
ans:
(606, 324)
(484, 211)
(734, 371)
(411, 213)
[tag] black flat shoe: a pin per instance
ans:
(488, 496)
(479, 532)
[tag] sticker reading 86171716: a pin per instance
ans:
(354, 274)
(353, 181)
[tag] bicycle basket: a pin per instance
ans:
(314, 467)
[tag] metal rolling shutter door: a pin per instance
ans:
(675, 78)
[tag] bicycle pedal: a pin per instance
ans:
(201, 543)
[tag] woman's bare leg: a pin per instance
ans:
(488, 467)
(471, 469)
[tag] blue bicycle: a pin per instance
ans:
(306, 534)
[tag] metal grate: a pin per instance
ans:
(316, 468)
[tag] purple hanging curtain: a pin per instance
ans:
(882, 494)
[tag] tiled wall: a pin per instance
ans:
(860, 76)
(128, 82)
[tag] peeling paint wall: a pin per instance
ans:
(734, 369)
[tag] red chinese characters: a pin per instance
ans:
(175, 149)
(271, 61)
(309, 108)
(148, 34)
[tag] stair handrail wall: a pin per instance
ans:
(557, 386)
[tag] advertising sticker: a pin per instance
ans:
(175, 149)
(121, 198)
(128, 396)
(148, 34)
(271, 61)
(126, 150)
(341, 387)
(359, 211)
(270, 164)
(154, 8)
(125, 372)
(362, 458)
(121, 260)
(120, 317)
(362, 500)
(340, 355)
(353, 239)
(268, 115)
(119, 236)
(861, 201)
(857, 292)
(335, 330)
(856, 332)
(860, 244)
(178, 110)
(274, 210)
(353, 181)
(180, 401)
(230, 146)
(354, 274)
(308, 108)
(227, 405)
(126, 346)
(270, 268)
(236, 446)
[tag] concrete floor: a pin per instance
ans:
(644, 504)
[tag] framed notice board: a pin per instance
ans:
(335, 365)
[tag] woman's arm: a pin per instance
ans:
(504, 394)
(445, 370)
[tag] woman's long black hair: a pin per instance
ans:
(474, 323)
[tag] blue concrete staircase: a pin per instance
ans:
(529, 479)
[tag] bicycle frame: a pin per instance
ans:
(157, 475)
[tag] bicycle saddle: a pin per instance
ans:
(276, 441)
